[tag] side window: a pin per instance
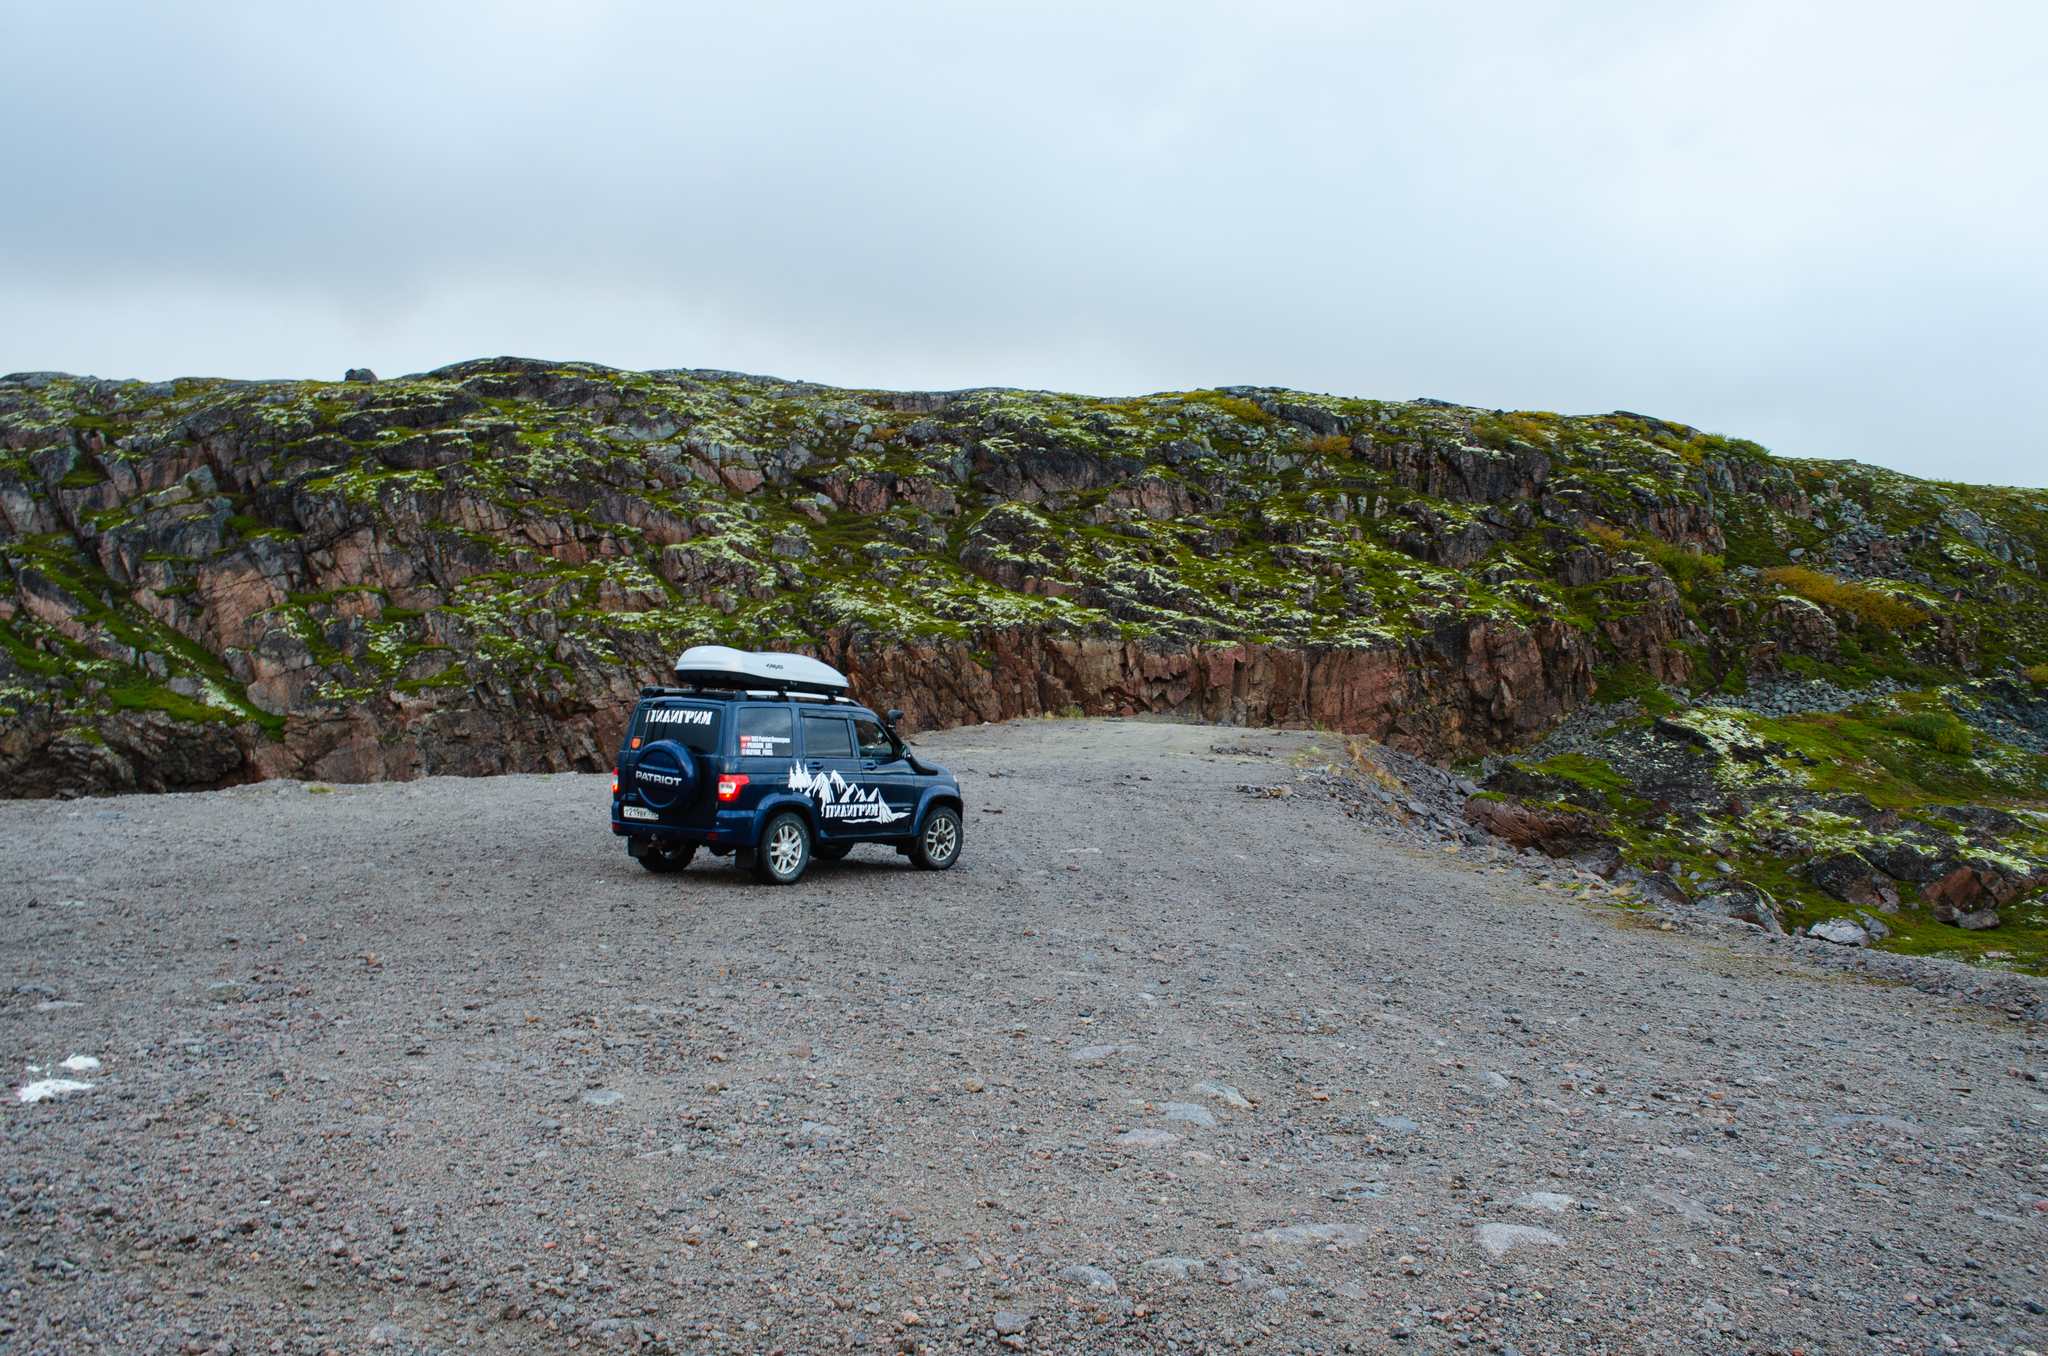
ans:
(766, 732)
(873, 743)
(826, 737)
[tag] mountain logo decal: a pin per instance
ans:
(841, 799)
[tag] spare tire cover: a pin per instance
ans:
(666, 774)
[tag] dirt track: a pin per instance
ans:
(427, 1066)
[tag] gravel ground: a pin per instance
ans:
(1161, 1065)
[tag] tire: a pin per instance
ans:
(831, 852)
(675, 859)
(938, 842)
(784, 850)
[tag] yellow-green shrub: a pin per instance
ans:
(1681, 564)
(1938, 728)
(1872, 605)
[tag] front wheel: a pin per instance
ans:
(937, 845)
(784, 850)
(663, 861)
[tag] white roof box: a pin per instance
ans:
(721, 666)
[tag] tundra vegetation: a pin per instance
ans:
(473, 570)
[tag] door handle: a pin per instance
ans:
(814, 765)
(868, 765)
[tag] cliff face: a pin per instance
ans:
(473, 571)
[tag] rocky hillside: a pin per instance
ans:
(473, 570)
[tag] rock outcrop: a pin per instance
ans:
(474, 570)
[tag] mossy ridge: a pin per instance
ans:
(1319, 475)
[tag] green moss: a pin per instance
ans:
(2019, 943)
(1943, 731)
(1864, 752)
(149, 697)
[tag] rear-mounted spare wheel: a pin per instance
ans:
(666, 775)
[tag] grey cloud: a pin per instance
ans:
(1817, 226)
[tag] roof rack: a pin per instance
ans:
(763, 693)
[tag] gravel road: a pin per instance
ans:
(1160, 1066)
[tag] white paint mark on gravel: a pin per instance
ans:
(45, 1088)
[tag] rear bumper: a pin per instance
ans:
(734, 828)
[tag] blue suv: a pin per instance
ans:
(774, 778)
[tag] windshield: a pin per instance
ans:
(694, 727)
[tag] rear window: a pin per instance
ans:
(694, 727)
(765, 731)
(827, 737)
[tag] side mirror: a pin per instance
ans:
(895, 716)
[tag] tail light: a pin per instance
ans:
(615, 781)
(730, 784)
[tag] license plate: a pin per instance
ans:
(635, 812)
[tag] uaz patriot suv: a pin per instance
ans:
(761, 757)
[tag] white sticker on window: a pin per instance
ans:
(762, 746)
(678, 715)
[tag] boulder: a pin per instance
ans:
(1558, 832)
(1602, 861)
(1974, 920)
(1956, 892)
(1680, 734)
(1913, 862)
(1660, 886)
(1840, 931)
(1858, 807)
(2004, 886)
(1744, 901)
(1849, 878)
(1982, 818)
(1512, 779)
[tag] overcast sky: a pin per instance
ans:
(1815, 225)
